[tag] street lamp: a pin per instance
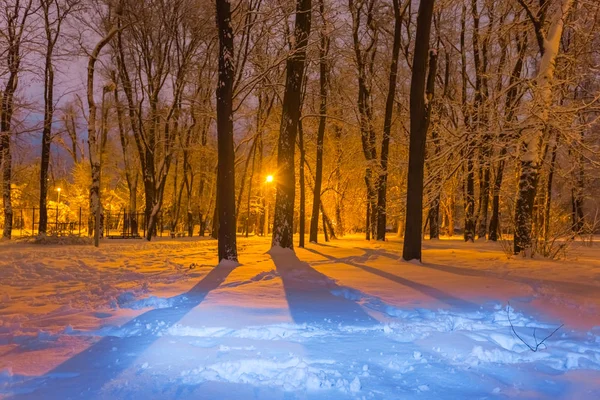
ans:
(58, 195)
(269, 179)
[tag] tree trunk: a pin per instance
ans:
(387, 125)
(509, 106)
(286, 180)
(226, 163)
(548, 197)
(419, 123)
(95, 142)
(13, 35)
(46, 139)
(577, 195)
(532, 135)
(323, 87)
(302, 222)
(365, 57)
(339, 196)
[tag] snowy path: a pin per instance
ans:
(340, 320)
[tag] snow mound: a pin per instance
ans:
(149, 302)
(65, 240)
(289, 332)
(293, 374)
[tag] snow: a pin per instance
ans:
(343, 320)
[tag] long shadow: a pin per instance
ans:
(533, 282)
(83, 375)
(309, 295)
(430, 291)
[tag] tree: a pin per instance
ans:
(535, 126)
(387, 124)
(420, 110)
(225, 174)
(54, 13)
(364, 56)
(96, 141)
(290, 115)
(16, 16)
(323, 90)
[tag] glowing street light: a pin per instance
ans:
(58, 195)
(269, 179)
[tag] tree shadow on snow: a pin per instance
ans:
(309, 294)
(534, 283)
(84, 374)
(427, 290)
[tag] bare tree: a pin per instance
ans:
(16, 15)
(225, 175)
(54, 13)
(420, 109)
(286, 180)
(535, 125)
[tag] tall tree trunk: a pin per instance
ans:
(46, 137)
(13, 35)
(95, 142)
(420, 100)
(339, 195)
(387, 125)
(577, 195)
(226, 164)
(469, 172)
(323, 87)
(530, 158)
(548, 197)
(286, 180)
(54, 13)
(365, 58)
(131, 172)
(250, 193)
(302, 221)
(509, 106)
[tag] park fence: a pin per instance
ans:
(64, 221)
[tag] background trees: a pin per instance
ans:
(516, 96)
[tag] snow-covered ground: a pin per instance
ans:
(342, 320)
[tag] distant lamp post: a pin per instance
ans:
(58, 195)
(269, 179)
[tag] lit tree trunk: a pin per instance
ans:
(548, 197)
(286, 186)
(434, 208)
(131, 173)
(509, 117)
(302, 222)
(46, 132)
(469, 172)
(226, 164)
(94, 141)
(530, 158)
(387, 124)
(323, 85)
(16, 22)
(480, 118)
(419, 123)
(339, 196)
(577, 193)
(365, 57)
(54, 13)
